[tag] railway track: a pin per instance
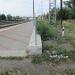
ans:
(11, 24)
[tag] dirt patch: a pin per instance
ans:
(66, 46)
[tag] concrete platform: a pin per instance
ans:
(19, 40)
(14, 40)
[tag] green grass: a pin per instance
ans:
(70, 27)
(70, 33)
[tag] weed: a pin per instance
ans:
(36, 59)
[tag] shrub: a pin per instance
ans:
(45, 30)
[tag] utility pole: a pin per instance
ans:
(61, 11)
(55, 12)
(34, 24)
(42, 9)
(33, 11)
(49, 11)
(61, 18)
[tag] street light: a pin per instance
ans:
(34, 24)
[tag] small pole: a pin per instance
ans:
(63, 31)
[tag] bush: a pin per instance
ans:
(45, 30)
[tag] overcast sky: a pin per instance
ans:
(24, 7)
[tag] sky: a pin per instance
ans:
(24, 7)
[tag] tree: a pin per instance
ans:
(9, 17)
(2, 17)
(71, 6)
(65, 14)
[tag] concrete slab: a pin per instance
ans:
(35, 48)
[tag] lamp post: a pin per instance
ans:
(34, 24)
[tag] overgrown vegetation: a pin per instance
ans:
(46, 31)
(56, 47)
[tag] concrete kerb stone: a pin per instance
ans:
(35, 49)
